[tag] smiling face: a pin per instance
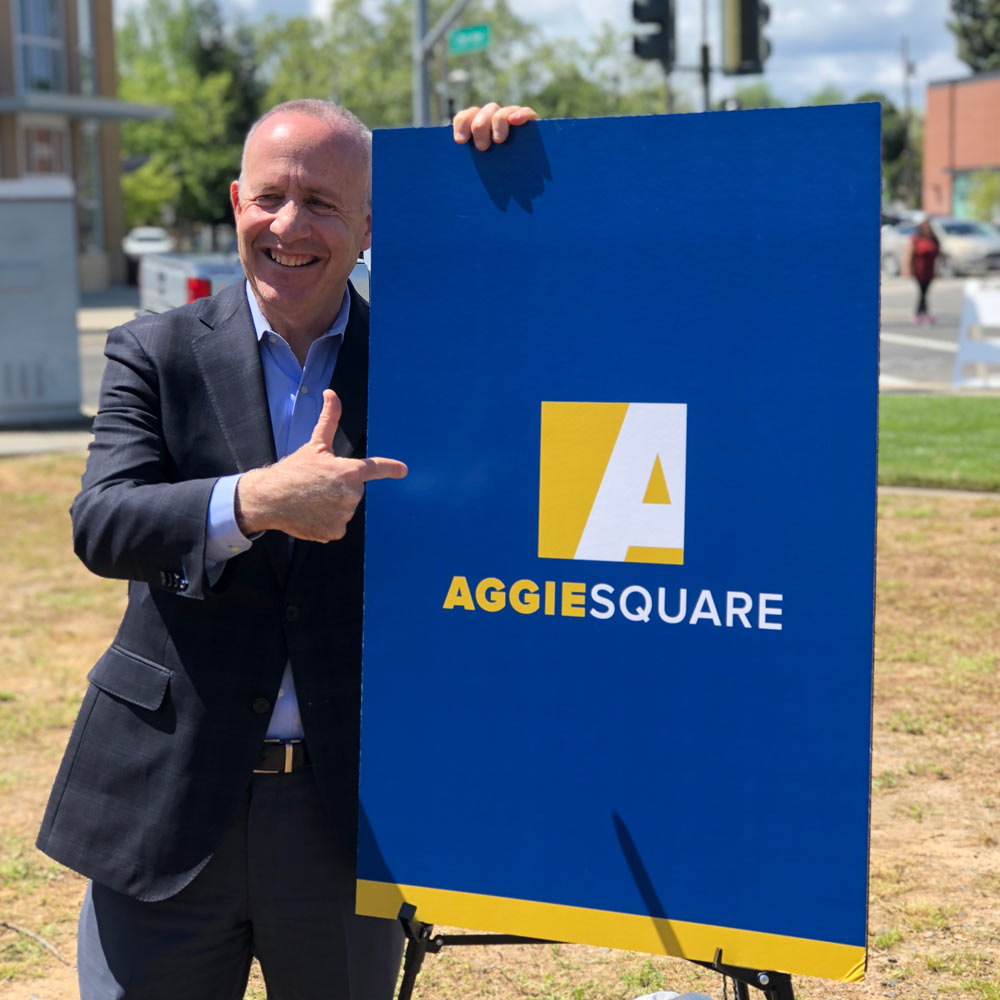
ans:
(302, 218)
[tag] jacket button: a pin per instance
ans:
(261, 705)
(292, 613)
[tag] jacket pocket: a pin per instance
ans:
(131, 677)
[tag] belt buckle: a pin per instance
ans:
(290, 746)
(287, 764)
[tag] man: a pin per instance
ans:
(209, 785)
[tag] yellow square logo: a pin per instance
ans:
(611, 484)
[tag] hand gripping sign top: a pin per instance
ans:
(618, 619)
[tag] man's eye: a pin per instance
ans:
(267, 199)
(319, 205)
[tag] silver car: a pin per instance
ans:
(143, 240)
(967, 246)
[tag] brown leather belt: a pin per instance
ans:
(281, 757)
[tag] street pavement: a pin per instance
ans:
(913, 358)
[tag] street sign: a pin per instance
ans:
(618, 618)
(475, 38)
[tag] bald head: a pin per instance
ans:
(343, 124)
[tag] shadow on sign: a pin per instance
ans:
(644, 884)
(521, 179)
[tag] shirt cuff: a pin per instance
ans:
(223, 536)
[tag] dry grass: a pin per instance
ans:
(935, 874)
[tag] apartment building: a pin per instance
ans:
(59, 115)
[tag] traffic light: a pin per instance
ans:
(744, 47)
(659, 42)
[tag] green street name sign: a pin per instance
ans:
(473, 39)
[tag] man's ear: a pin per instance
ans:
(367, 241)
(234, 197)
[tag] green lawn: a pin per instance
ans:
(946, 441)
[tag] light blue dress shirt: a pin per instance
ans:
(295, 400)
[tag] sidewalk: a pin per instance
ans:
(100, 311)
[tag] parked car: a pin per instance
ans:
(142, 241)
(967, 246)
(173, 279)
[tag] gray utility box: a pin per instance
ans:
(39, 351)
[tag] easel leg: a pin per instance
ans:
(418, 938)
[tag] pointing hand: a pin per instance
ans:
(311, 494)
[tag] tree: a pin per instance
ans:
(175, 53)
(901, 160)
(828, 94)
(598, 77)
(757, 95)
(976, 27)
(360, 57)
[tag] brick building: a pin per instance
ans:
(59, 115)
(961, 137)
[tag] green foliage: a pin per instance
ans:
(175, 53)
(354, 59)
(901, 149)
(828, 94)
(757, 95)
(984, 194)
(886, 939)
(596, 78)
(976, 27)
(648, 979)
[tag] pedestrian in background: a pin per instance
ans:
(924, 249)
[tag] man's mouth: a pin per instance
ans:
(289, 261)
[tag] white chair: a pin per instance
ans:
(978, 337)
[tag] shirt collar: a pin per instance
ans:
(261, 327)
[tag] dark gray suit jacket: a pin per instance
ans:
(177, 708)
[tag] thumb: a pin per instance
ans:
(329, 420)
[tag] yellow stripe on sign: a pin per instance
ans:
(627, 931)
(644, 554)
(576, 442)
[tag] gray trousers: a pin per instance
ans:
(280, 887)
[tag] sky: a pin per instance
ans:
(852, 44)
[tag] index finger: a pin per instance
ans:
(382, 468)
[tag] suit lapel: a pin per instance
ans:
(350, 382)
(228, 356)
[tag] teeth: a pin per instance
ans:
(289, 261)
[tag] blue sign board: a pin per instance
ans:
(618, 619)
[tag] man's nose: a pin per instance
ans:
(290, 220)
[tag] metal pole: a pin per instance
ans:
(908, 171)
(423, 42)
(445, 23)
(421, 96)
(705, 60)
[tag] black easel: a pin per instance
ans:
(419, 941)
